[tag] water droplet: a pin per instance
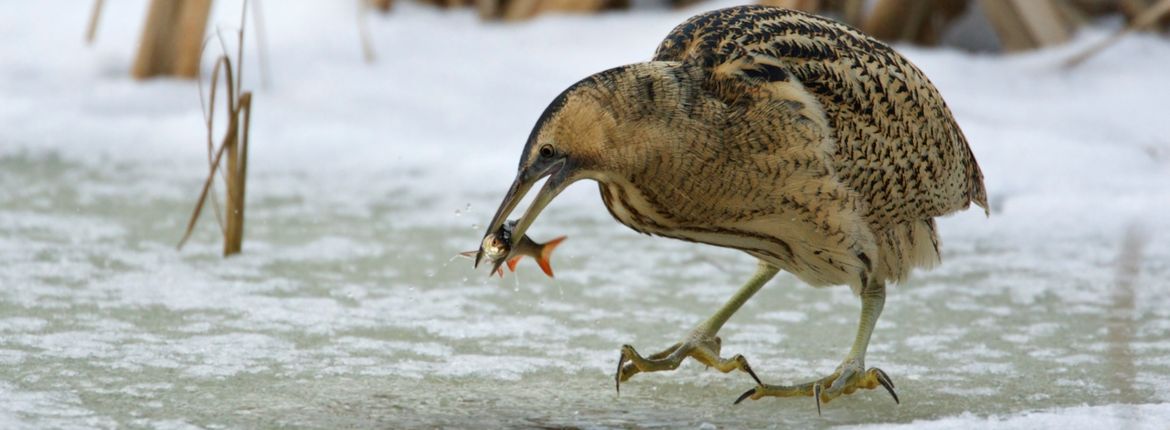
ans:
(475, 226)
(465, 279)
(430, 273)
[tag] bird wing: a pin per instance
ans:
(896, 143)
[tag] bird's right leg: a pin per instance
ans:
(851, 375)
(701, 344)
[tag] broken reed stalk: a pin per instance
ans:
(234, 144)
(171, 39)
(1121, 319)
(382, 5)
(261, 44)
(94, 16)
(237, 174)
(1143, 20)
(364, 33)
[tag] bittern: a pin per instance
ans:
(796, 139)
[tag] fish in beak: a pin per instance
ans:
(495, 248)
(541, 252)
(556, 169)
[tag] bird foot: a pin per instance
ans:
(703, 348)
(849, 377)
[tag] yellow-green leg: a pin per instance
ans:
(701, 344)
(851, 374)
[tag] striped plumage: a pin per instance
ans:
(796, 139)
(896, 143)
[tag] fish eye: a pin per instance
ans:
(547, 151)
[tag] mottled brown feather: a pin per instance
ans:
(796, 139)
(896, 142)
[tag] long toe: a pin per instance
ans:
(704, 350)
(631, 363)
(846, 380)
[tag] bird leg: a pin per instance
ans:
(701, 344)
(851, 374)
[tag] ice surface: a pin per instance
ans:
(347, 307)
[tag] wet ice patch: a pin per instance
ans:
(37, 409)
(1145, 417)
(347, 293)
(228, 355)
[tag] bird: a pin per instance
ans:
(814, 148)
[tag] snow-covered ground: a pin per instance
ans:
(348, 308)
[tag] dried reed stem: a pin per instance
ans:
(94, 16)
(1143, 20)
(1121, 323)
(234, 144)
(261, 44)
(364, 32)
(171, 39)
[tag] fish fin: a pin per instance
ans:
(469, 254)
(546, 254)
(513, 262)
(500, 271)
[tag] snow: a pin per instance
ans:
(348, 307)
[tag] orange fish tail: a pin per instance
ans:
(546, 251)
(512, 263)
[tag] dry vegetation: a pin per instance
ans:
(233, 145)
(1019, 24)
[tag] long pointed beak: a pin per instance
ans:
(543, 198)
(515, 194)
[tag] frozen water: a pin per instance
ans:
(347, 309)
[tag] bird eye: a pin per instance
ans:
(546, 151)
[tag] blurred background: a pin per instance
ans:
(358, 147)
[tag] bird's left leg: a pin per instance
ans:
(851, 374)
(701, 343)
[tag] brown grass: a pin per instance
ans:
(234, 144)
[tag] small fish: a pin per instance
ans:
(495, 247)
(541, 252)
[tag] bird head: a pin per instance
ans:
(590, 131)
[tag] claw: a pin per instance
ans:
(886, 382)
(817, 395)
(846, 380)
(745, 395)
(617, 377)
(882, 375)
(748, 368)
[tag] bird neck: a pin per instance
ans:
(653, 111)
